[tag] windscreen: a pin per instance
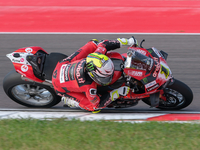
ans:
(139, 61)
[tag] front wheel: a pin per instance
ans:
(29, 94)
(178, 96)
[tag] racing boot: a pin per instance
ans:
(96, 111)
(70, 102)
(122, 91)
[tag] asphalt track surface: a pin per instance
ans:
(183, 58)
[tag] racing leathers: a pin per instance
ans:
(71, 80)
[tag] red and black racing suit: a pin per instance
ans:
(70, 78)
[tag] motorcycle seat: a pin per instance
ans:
(50, 63)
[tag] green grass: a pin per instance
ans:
(59, 134)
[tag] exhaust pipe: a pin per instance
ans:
(46, 82)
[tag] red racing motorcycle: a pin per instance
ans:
(145, 71)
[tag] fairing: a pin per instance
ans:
(22, 66)
(149, 67)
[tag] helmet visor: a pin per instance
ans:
(101, 80)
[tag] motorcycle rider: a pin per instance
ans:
(76, 77)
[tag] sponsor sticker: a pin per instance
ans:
(71, 71)
(165, 71)
(78, 74)
(62, 76)
(157, 67)
(94, 101)
(145, 80)
(66, 73)
(150, 50)
(28, 50)
(24, 68)
(141, 51)
(16, 60)
(150, 84)
(153, 87)
(135, 73)
(22, 60)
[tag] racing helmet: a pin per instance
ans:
(100, 68)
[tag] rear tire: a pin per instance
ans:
(178, 96)
(29, 94)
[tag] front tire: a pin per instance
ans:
(29, 94)
(178, 96)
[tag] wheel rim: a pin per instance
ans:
(32, 95)
(174, 99)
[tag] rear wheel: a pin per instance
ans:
(29, 94)
(178, 96)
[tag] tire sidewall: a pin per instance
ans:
(183, 89)
(13, 79)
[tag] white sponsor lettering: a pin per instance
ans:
(21, 73)
(150, 84)
(62, 76)
(66, 73)
(78, 74)
(141, 51)
(155, 73)
(153, 87)
(135, 73)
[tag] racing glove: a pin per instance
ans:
(122, 91)
(129, 42)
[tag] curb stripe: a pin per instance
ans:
(175, 117)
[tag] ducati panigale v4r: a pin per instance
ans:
(145, 71)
